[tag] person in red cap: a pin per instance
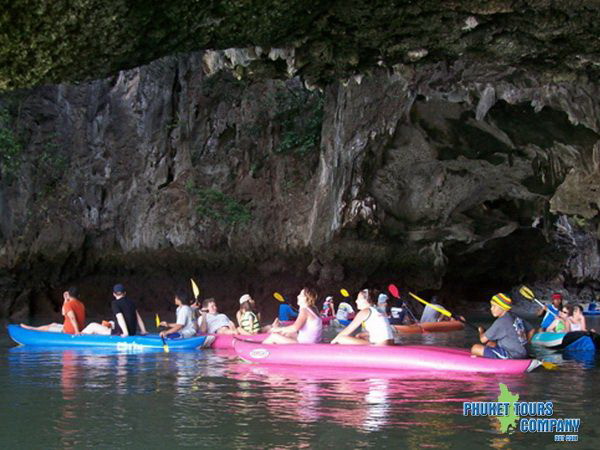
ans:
(550, 312)
(508, 336)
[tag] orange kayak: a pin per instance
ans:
(430, 327)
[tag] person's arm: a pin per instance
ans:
(65, 300)
(542, 311)
(140, 323)
(174, 328)
(238, 317)
(73, 319)
(122, 324)
(297, 325)
(202, 325)
(583, 326)
(356, 322)
(482, 337)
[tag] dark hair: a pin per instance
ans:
(73, 292)
(208, 301)
(569, 309)
(578, 306)
(370, 295)
(183, 297)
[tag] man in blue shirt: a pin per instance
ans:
(551, 311)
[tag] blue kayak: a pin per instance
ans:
(578, 341)
(36, 338)
(548, 339)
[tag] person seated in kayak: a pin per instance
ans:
(327, 309)
(308, 327)
(286, 312)
(249, 322)
(507, 337)
(184, 326)
(377, 326)
(213, 322)
(577, 319)
(430, 314)
(127, 319)
(562, 324)
(73, 310)
(344, 311)
(382, 304)
(550, 312)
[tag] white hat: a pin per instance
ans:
(328, 299)
(382, 298)
(244, 298)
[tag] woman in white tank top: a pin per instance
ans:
(577, 320)
(376, 324)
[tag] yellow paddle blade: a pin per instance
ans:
(157, 321)
(549, 365)
(344, 292)
(195, 289)
(166, 348)
(527, 293)
(279, 297)
(437, 308)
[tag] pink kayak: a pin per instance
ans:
(397, 357)
(326, 321)
(225, 341)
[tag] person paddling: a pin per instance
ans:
(73, 311)
(508, 336)
(378, 327)
(211, 321)
(184, 321)
(550, 312)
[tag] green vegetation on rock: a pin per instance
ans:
(218, 206)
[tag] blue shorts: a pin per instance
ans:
(495, 353)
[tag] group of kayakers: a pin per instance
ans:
(506, 338)
(562, 318)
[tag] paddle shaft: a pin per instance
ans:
(443, 311)
(544, 306)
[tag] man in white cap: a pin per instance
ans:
(382, 304)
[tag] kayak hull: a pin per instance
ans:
(385, 358)
(547, 339)
(37, 338)
(431, 327)
(225, 341)
(573, 341)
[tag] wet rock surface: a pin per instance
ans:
(437, 177)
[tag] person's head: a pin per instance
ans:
(307, 297)
(245, 298)
(73, 293)
(566, 311)
(119, 290)
(500, 304)
(328, 300)
(182, 298)
(382, 300)
(577, 311)
(365, 299)
(210, 305)
(557, 300)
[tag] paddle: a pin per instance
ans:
(279, 297)
(165, 346)
(529, 295)
(195, 289)
(396, 294)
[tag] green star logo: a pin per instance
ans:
(510, 421)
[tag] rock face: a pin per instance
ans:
(436, 176)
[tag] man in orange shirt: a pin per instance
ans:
(73, 311)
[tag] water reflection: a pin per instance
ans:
(85, 398)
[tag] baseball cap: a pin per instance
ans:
(118, 288)
(382, 298)
(244, 298)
